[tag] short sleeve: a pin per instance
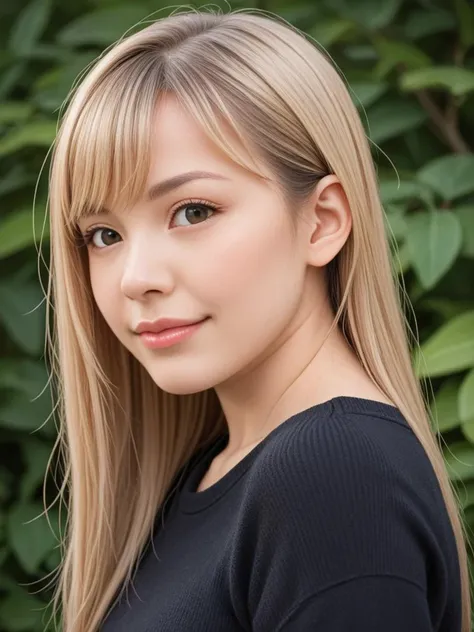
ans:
(329, 516)
(365, 604)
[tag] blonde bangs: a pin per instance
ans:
(109, 151)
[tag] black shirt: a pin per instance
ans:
(334, 522)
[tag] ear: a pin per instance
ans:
(329, 221)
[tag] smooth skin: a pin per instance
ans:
(241, 265)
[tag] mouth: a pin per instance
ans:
(171, 336)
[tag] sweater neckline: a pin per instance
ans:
(191, 501)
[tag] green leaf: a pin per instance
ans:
(446, 307)
(103, 27)
(32, 542)
(466, 494)
(458, 81)
(364, 94)
(7, 489)
(299, 15)
(14, 111)
(444, 407)
(360, 53)
(16, 178)
(53, 560)
(393, 53)
(400, 259)
(21, 612)
(459, 459)
(10, 78)
(29, 27)
(395, 216)
(390, 118)
(398, 190)
(468, 430)
(36, 133)
(421, 22)
(22, 313)
(449, 349)
(434, 240)
(50, 52)
(29, 377)
(327, 32)
(465, 215)
(19, 413)
(450, 176)
(466, 398)
(7, 583)
(53, 87)
(16, 230)
(35, 456)
(371, 14)
(465, 15)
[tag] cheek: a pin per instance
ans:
(252, 274)
(104, 289)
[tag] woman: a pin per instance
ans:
(267, 463)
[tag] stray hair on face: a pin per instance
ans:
(272, 100)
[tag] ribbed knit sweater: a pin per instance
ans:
(334, 522)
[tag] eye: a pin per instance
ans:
(197, 215)
(94, 235)
(198, 212)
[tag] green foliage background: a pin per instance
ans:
(410, 64)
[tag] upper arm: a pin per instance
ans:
(366, 604)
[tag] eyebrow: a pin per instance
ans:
(166, 186)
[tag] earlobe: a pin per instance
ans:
(331, 221)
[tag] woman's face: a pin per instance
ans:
(239, 264)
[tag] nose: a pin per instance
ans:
(144, 271)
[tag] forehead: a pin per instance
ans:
(180, 144)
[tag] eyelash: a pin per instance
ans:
(87, 236)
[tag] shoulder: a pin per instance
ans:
(341, 496)
(367, 464)
(344, 451)
(334, 498)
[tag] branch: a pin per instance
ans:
(447, 122)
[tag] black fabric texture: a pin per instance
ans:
(334, 522)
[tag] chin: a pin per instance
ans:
(189, 374)
(183, 384)
(180, 389)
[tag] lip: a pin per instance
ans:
(170, 336)
(162, 324)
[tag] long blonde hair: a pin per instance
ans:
(122, 438)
